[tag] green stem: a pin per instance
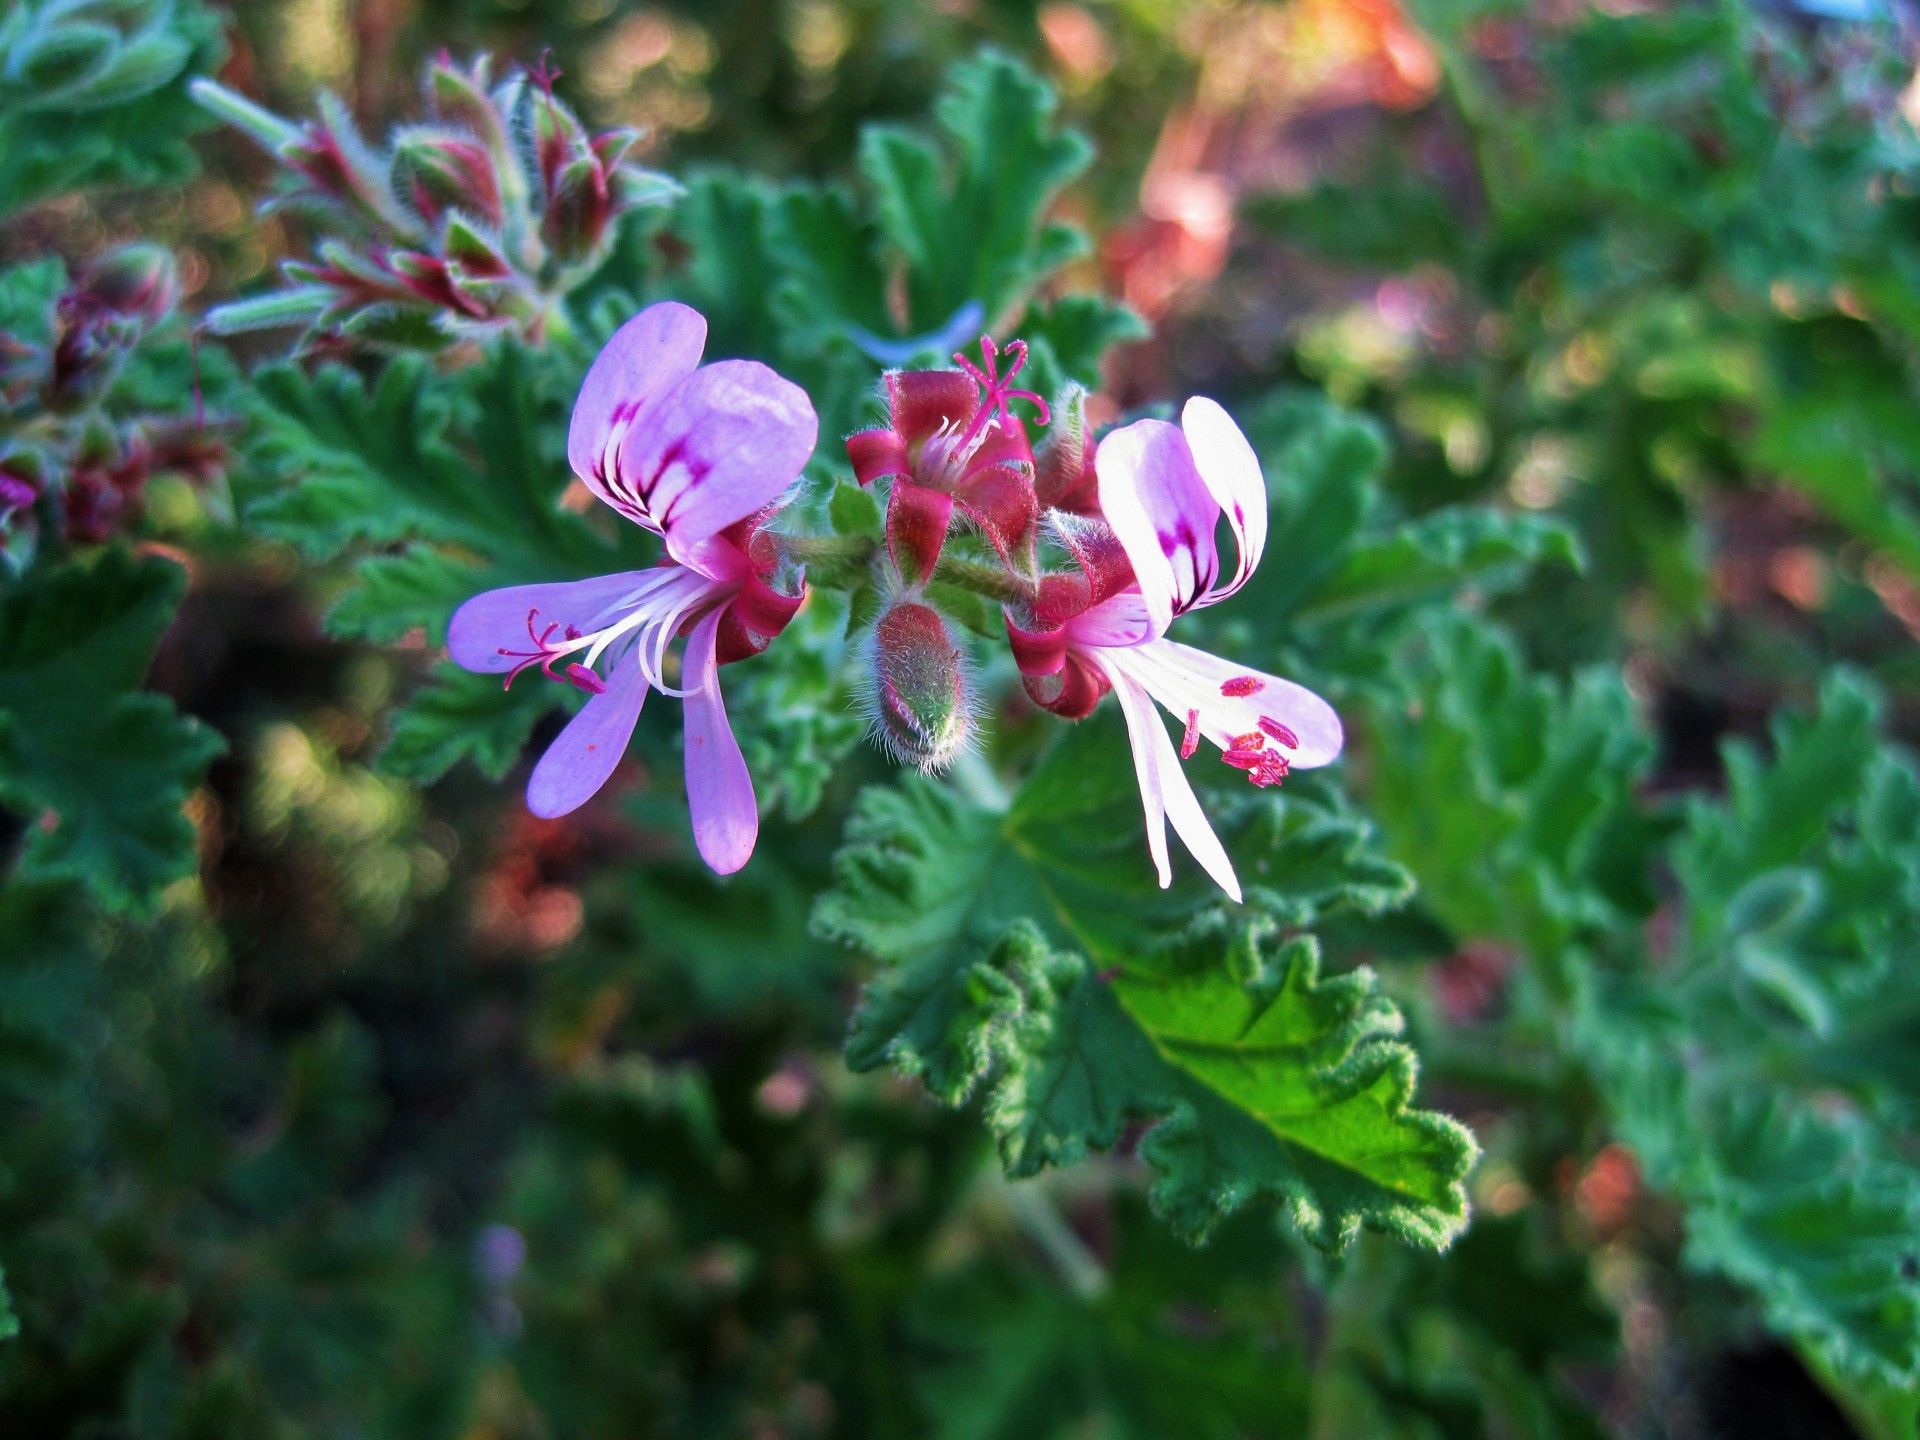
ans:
(836, 559)
(986, 580)
(832, 551)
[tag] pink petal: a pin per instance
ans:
(578, 763)
(1231, 473)
(1164, 791)
(721, 445)
(1120, 621)
(1183, 678)
(498, 619)
(726, 817)
(646, 357)
(1163, 514)
(919, 402)
(917, 521)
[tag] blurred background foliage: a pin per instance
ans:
(340, 1097)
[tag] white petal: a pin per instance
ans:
(1164, 791)
(1183, 678)
(1162, 513)
(1231, 473)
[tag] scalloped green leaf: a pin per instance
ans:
(1029, 953)
(102, 770)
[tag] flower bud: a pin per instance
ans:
(21, 482)
(1064, 476)
(138, 282)
(578, 208)
(461, 98)
(922, 703)
(437, 171)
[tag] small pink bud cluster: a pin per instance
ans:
(70, 459)
(1135, 518)
(482, 216)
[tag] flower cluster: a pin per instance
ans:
(703, 454)
(482, 217)
(70, 460)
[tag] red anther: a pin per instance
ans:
(1279, 732)
(1246, 759)
(1252, 740)
(1190, 741)
(1241, 686)
(586, 680)
(998, 389)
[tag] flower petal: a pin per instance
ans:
(726, 817)
(1121, 621)
(917, 521)
(920, 402)
(485, 631)
(1164, 790)
(1183, 678)
(1231, 473)
(718, 447)
(646, 356)
(1157, 504)
(578, 763)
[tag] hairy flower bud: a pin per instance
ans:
(483, 218)
(138, 282)
(1064, 478)
(922, 703)
(21, 482)
(438, 171)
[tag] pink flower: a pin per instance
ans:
(698, 454)
(1163, 490)
(950, 439)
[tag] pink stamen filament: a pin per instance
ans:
(545, 653)
(997, 389)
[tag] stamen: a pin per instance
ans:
(1264, 767)
(544, 72)
(1190, 741)
(1241, 686)
(544, 651)
(997, 388)
(586, 680)
(1279, 732)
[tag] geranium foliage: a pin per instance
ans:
(1111, 722)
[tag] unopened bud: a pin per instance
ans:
(138, 282)
(1064, 476)
(460, 97)
(578, 209)
(437, 171)
(21, 481)
(922, 703)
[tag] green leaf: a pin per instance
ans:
(1029, 951)
(1438, 554)
(966, 215)
(462, 716)
(117, 112)
(9, 1322)
(1762, 1071)
(101, 770)
(457, 481)
(1511, 797)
